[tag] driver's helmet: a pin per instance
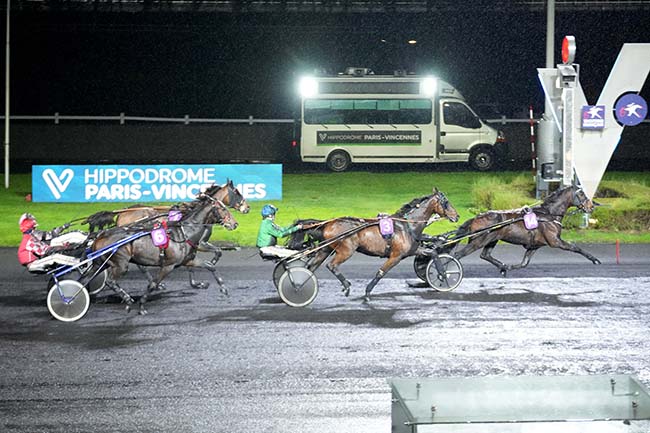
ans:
(268, 210)
(27, 222)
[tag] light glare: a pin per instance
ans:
(428, 86)
(308, 87)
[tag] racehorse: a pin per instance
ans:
(227, 194)
(181, 249)
(408, 224)
(509, 227)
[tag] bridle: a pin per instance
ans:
(580, 199)
(236, 200)
(218, 204)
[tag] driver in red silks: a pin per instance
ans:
(35, 249)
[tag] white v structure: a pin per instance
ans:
(592, 150)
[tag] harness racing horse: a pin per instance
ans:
(408, 224)
(509, 227)
(228, 194)
(183, 244)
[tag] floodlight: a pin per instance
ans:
(308, 87)
(428, 86)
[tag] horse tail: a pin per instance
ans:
(306, 238)
(99, 220)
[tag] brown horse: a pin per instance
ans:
(509, 227)
(183, 244)
(228, 194)
(408, 224)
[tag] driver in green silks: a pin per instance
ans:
(269, 232)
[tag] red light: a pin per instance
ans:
(294, 143)
(568, 49)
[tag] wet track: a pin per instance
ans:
(203, 362)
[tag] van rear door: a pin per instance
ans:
(460, 128)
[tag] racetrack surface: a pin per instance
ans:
(205, 362)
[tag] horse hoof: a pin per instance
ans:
(366, 299)
(127, 308)
(503, 272)
(597, 262)
(224, 291)
(143, 312)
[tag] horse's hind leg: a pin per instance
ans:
(126, 298)
(568, 246)
(161, 274)
(486, 255)
(525, 260)
(342, 254)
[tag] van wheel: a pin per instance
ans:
(482, 158)
(338, 160)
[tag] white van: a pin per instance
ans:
(361, 117)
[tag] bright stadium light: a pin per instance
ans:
(428, 86)
(308, 87)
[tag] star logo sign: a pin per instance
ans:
(592, 117)
(595, 112)
(630, 109)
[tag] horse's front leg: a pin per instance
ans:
(387, 266)
(569, 246)
(164, 271)
(146, 272)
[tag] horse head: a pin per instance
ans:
(221, 215)
(443, 207)
(428, 206)
(229, 195)
(562, 199)
(581, 201)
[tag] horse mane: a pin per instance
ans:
(212, 189)
(406, 208)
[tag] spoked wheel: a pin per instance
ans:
(452, 276)
(420, 265)
(281, 267)
(93, 285)
(298, 286)
(68, 301)
(97, 284)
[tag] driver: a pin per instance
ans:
(269, 232)
(35, 251)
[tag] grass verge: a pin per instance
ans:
(362, 194)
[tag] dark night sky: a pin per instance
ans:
(227, 65)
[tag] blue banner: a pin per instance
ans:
(157, 183)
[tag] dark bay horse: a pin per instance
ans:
(184, 237)
(513, 230)
(408, 224)
(228, 194)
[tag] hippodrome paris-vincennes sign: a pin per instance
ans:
(157, 183)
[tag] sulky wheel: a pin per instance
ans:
(97, 284)
(298, 286)
(68, 300)
(281, 267)
(450, 276)
(420, 265)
